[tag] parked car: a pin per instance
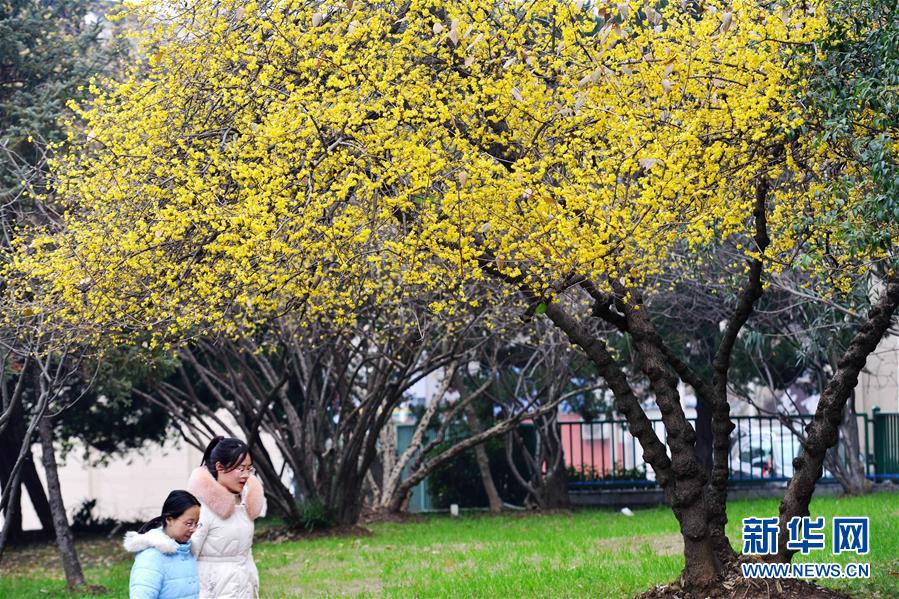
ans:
(762, 454)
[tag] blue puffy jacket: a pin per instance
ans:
(163, 568)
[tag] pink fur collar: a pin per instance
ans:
(219, 499)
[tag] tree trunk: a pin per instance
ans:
(346, 500)
(480, 455)
(553, 493)
(681, 477)
(10, 445)
(702, 568)
(704, 435)
(12, 519)
(35, 488)
(555, 481)
(65, 541)
(823, 431)
(852, 476)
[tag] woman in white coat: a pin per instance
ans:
(231, 498)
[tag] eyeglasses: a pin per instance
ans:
(248, 469)
(191, 525)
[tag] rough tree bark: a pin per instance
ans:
(702, 566)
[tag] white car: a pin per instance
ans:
(762, 454)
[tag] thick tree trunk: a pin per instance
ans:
(344, 498)
(345, 495)
(480, 455)
(702, 566)
(680, 476)
(65, 541)
(823, 431)
(346, 513)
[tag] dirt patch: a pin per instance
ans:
(43, 558)
(659, 544)
(734, 586)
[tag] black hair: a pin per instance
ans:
(175, 504)
(227, 451)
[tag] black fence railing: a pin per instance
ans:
(603, 453)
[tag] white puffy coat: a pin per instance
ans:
(223, 543)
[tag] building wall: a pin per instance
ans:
(878, 385)
(130, 488)
(133, 487)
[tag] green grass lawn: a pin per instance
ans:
(585, 554)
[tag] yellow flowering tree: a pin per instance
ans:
(267, 157)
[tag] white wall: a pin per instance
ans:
(878, 384)
(130, 488)
(133, 487)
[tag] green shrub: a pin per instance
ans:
(314, 515)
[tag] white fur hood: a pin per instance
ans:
(136, 542)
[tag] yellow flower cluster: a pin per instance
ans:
(269, 156)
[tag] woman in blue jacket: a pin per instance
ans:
(164, 567)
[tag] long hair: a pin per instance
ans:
(175, 504)
(227, 451)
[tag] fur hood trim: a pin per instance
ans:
(220, 500)
(136, 542)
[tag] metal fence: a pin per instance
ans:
(603, 453)
(886, 445)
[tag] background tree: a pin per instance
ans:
(493, 394)
(791, 345)
(48, 53)
(550, 368)
(51, 368)
(851, 96)
(322, 391)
